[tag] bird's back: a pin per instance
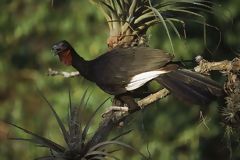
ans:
(117, 67)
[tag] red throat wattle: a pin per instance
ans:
(66, 57)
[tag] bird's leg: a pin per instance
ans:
(141, 92)
(117, 102)
(122, 103)
(129, 101)
(117, 106)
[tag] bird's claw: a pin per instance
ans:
(114, 109)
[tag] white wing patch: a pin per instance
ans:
(142, 78)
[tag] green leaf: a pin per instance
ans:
(106, 143)
(173, 27)
(122, 134)
(165, 26)
(61, 125)
(54, 146)
(132, 8)
(84, 134)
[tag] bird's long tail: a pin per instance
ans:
(191, 86)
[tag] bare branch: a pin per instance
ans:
(226, 66)
(52, 72)
(153, 97)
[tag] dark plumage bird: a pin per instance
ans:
(121, 71)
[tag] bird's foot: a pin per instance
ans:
(115, 109)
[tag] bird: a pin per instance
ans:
(123, 71)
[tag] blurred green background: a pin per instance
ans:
(170, 129)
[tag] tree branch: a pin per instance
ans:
(153, 97)
(52, 72)
(225, 66)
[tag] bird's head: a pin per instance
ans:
(64, 51)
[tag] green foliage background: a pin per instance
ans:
(170, 129)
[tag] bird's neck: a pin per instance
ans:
(81, 65)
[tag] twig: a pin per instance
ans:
(226, 66)
(52, 72)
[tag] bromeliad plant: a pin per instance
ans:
(129, 20)
(77, 146)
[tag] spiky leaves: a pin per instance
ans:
(77, 145)
(129, 20)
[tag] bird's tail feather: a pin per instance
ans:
(191, 86)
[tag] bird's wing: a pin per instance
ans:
(129, 67)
